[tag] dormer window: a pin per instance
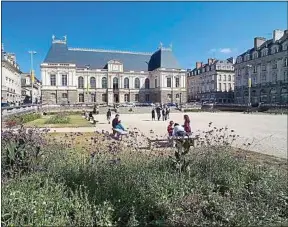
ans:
(255, 55)
(284, 46)
(275, 50)
(247, 57)
(264, 52)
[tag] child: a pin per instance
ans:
(170, 128)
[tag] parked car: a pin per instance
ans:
(4, 104)
(171, 104)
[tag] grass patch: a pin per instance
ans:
(45, 121)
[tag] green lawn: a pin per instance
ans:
(76, 121)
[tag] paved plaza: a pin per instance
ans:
(268, 132)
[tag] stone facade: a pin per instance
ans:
(113, 83)
(213, 81)
(26, 87)
(266, 65)
(10, 77)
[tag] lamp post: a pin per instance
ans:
(249, 84)
(32, 52)
(87, 68)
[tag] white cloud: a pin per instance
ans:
(225, 50)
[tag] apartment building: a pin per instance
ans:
(265, 66)
(27, 87)
(10, 77)
(213, 81)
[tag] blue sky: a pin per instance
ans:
(197, 30)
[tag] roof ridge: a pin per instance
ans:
(112, 51)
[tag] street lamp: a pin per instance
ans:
(249, 84)
(32, 52)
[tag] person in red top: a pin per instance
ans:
(170, 128)
(187, 124)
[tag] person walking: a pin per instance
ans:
(187, 126)
(158, 111)
(167, 112)
(153, 114)
(163, 114)
(108, 115)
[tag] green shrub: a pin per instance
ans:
(129, 188)
(23, 118)
(60, 118)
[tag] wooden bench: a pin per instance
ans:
(171, 138)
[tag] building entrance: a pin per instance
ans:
(116, 98)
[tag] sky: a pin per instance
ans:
(197, 30)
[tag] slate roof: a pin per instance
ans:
(268, 43)
(97, 59)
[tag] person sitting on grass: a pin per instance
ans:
(178, 130)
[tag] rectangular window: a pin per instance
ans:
(64, 95)
(263, 67)
(219, 87)
(53, 80)
(126, 98)
(64, 80)
(147, 98)
(285, 62)
(169, 96)
(93, 98)
(136, 97)
(155, 83)
(169, 82)
(104, 97)
(255, 69)
(229, 87)
(177, 82)
(177, 96)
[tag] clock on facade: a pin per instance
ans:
(115, 67)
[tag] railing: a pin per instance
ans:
(12, 110)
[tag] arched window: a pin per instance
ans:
(229, 77)
(80, 82)
(115, 83)
(81, 97)
(147, 83)
(126, 82)
(104, 82)
(92, 82)
(137, 83)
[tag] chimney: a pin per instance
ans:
(277, 34)
(198, 65)
(210, 61)
(258, 41)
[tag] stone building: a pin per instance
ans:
(213, 81)
(10, 77)
(77, 75)
(266, 65)
(27, 87)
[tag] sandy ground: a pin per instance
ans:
(268, 132)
